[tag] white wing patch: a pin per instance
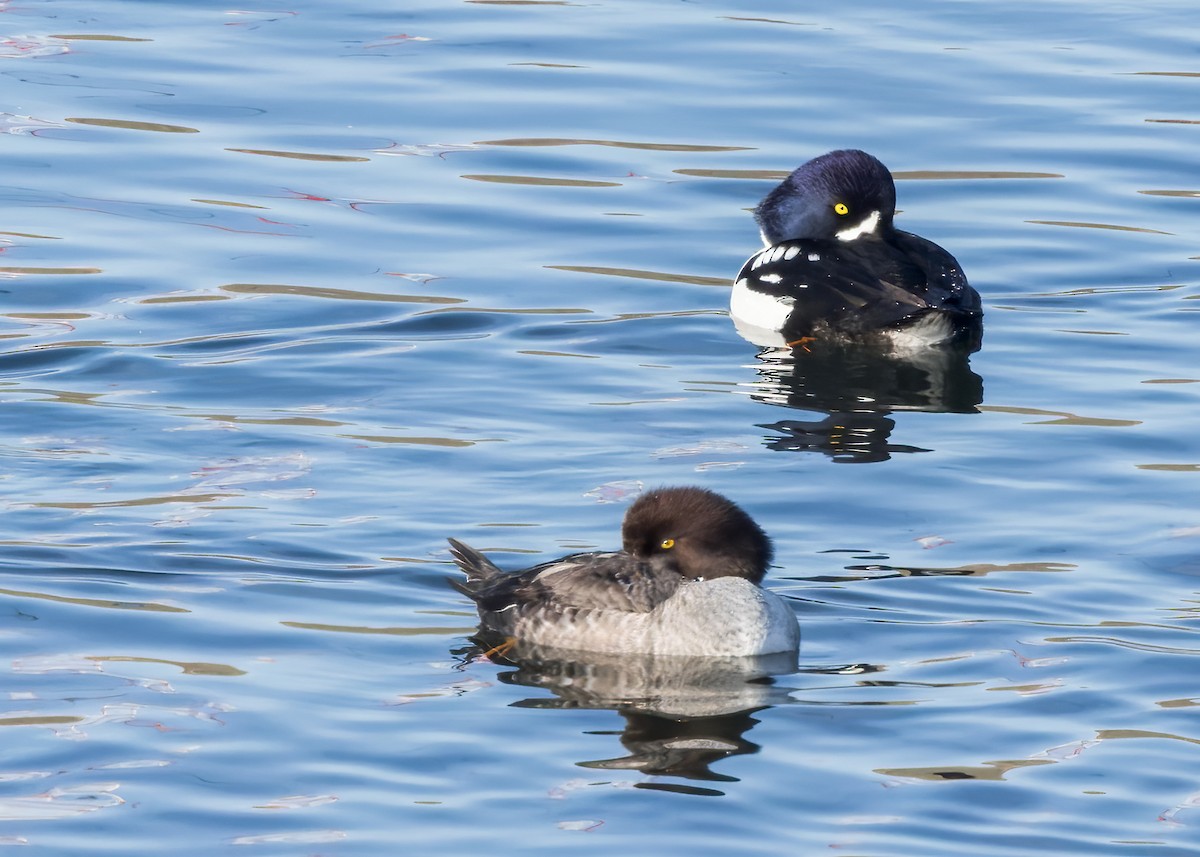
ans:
(786, 252)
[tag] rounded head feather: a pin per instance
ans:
(697, 533)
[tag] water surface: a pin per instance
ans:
(291, 295)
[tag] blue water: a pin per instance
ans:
(291, 295)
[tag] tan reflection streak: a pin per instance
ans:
(970, 175)
(302, 156)
(631, 402)
(1125, 644)
(1105, 734)
(548, 64)
(141, 501)
(46, 720)
(970, 570)
(1064, 418)
(421, 441)
(31, 235)
(133, 126)
(1093, 332)
(768, 21)
(1189, 194)
(99, 37)
(53, 271)
(184, 299)
(49, 316)
(229, 203)
(394, 632)
(619, 144)
(188, 667)
(1176, 468)
(148, 606)
(1169, 73)
(516, 310)
(1104, 290)
(540, 181)
(988, 568)
(1082, 225)
(267, 421)
(1025, 689)
(987, 771)
(996, 770)
(70, 397)
(761, 175)
(1176, 121)
(1178, 703)
(336, 294)
(636, 274)
(985, 568)
(559, 354)
(683, 313)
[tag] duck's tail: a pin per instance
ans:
(479, 569)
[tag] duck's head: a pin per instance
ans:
(696, 533)
(843, 195)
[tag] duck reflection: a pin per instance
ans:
(856, 386)
(682, 714)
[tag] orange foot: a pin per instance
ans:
(802, 342)
(502, 649)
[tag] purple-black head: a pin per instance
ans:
(842, 195)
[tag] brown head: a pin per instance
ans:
(697, 533)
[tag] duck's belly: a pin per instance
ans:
(933, 328)
(727, 616)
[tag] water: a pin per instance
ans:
(292, 295)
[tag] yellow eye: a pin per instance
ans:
(667, 544)
(841, 208)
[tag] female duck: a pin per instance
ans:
(686, 582)
(834, 265)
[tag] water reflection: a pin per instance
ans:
(681, 714)
(855, 387)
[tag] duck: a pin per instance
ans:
(835, 266)
(686, 581)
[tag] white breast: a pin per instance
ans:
(756, 309)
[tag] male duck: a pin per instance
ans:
(834, 265)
